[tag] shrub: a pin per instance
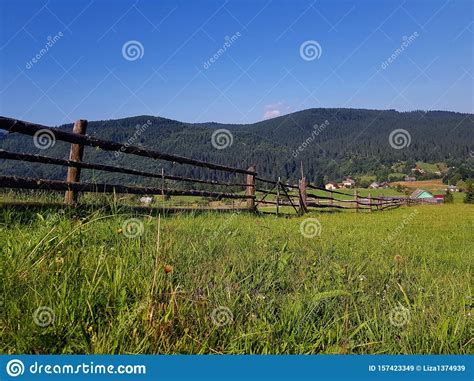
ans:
(448, 197)
(469, 198)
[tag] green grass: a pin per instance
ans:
(123, 199)
(427, 166)
(277, 291)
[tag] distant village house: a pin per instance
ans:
(425, 196)
(421, 193)
(348, 182)
(376, 185)
(331, 186)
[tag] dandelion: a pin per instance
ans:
(119, 231)
(89, 329)
(168, 269)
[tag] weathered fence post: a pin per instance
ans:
(356, 201)
(370, 201)
(278, 196)
(250, 191)
(163, 197)
(76, 154)
(302, 193)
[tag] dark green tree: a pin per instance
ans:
(448, 197)
(469, 197)
(320, 180)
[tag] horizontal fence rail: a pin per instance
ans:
(13, 125)
(100, 167)
(56, 185)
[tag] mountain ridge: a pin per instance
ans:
(337, 142)
(206, 123)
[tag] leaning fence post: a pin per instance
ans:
(76, 153)
(250, 191)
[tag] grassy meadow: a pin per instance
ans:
(96, 281)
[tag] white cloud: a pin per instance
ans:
(271, 114)
(273, 110)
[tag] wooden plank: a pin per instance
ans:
(107, 168)
(275, 182)
(280, 203)
(14, 125)
(55, 185)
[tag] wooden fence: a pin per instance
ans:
(303, 198)
(257, 194)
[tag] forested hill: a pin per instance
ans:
(329, 142)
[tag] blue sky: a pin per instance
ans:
(263, 72)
